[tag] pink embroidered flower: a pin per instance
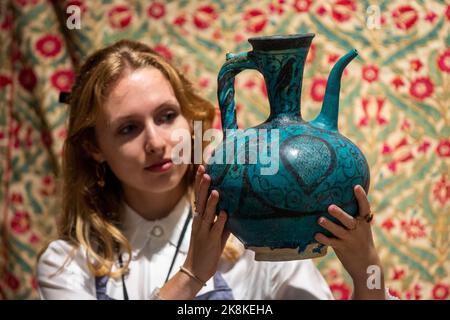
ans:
(49, 45)
(156, 10)
(421, 88)
(405, 16)
(120, 16)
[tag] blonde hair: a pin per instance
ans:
(90, 213)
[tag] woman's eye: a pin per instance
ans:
(168, 117)
(127, 129)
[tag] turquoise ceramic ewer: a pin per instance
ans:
(273, 206)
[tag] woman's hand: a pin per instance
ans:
(354, 246)
(208, 236)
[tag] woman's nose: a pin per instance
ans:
(154, 142)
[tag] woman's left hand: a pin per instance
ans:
(354, 245)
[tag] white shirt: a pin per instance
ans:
(153, 246)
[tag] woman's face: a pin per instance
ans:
(134, 132)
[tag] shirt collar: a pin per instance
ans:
(168, 229)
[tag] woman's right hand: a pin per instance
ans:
(208, 237)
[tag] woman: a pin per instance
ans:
(126, 207)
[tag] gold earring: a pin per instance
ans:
(100, 176)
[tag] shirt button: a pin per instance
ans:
(157, 231)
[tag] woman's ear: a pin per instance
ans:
(93, 151)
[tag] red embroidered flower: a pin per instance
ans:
(156, 10)
(443, 148)
(180, 20)
(62, 80)
(7, 22)
(205, 16)
(397, 82)
(120, 16)
(405, 17)
(46, 138)
(413, 228)
(318, 89)
(370, 73)
(421, 88)
(20, 222)
(302, 5)
(164, 51)
(256, 20)
(342, 10)
(441, 190)
(340, 291)
(443, 61)
(431, 16)
(416, 64)
(440, 291)
(447, 12)
(398, 274)
(12, 281)
(4, 81)
(203, 82)
(424, 147)
(16, 198)
(49, 45)
(388, 224)
(27, 79)
(276, 7)
(321, 10)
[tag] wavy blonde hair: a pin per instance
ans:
(90, 213)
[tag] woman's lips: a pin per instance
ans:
(161, 167)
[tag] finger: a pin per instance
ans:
(363, 202)
(210, 211)
(198, 178)
(347, 220)
(326, 241)
(203, 194)
(338, 231)
(219, 225)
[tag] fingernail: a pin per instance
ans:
(321, 220)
